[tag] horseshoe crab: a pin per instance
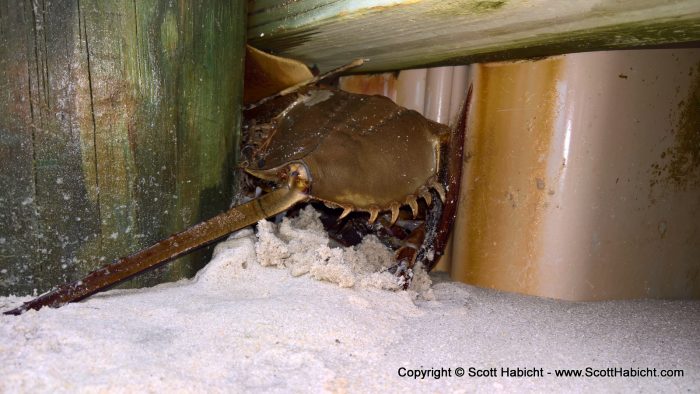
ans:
(359, 153)
(356, 152)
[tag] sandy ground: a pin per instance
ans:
(316, 319)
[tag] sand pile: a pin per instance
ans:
(301, 245)
(280, 311)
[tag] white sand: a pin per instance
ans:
(239, 326)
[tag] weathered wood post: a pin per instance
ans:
(119, 125)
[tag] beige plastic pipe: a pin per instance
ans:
(584, 178)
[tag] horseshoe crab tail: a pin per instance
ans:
(176, 245)
(452, 178)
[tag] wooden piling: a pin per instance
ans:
(119, 125)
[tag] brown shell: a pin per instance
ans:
(362, 152)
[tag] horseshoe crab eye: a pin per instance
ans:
(261, 163)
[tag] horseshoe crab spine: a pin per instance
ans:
(176, 245)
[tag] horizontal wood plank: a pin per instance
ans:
(397, 34)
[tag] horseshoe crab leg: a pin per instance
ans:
(176, 245)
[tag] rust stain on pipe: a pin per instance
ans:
(505, 191)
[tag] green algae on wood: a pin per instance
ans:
(398, 34)
(118, 126)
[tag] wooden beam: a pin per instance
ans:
(118, 127)
(397, 34)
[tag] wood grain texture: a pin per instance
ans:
(399, 34)
(118, 127)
